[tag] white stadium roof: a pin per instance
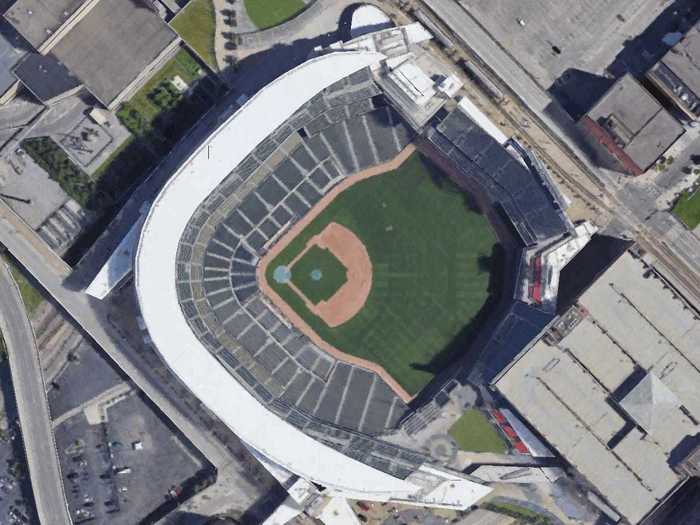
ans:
(194, 365)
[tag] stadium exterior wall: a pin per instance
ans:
(192, 363)
(155, 281)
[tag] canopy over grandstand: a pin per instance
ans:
(182, 345)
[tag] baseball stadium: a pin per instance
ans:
(320, 272)
(375, 258)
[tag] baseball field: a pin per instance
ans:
(318, 274)
(429, 253)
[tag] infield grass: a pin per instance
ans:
(474, 433)
(270, 13)
(431, 256)
(332, 274)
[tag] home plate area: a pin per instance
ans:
(333, 275)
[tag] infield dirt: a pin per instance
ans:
(431, 253)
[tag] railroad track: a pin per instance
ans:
(515, 111)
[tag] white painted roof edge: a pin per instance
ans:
(367, 19)
(119, 265)
(282, 515)
(536, 447)
(416, 33)
(155, 282)
(483, 121)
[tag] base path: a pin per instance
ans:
(295, 230)
(352, 295)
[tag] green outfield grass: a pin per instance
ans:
(196, 24)
(270, 13)
(474, 433)
(431, 265)
(687, 208)
(333, 274)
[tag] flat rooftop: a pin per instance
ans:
(45, 76)
(628, 112)
(11, 51)
(37, 20)
(112, 45)
(684, 59)
(618, 395)
(555, 35)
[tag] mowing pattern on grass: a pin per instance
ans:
(196, 24)
(429, 278)
(270, 13)
(687, 208)
(474, 433)
(318, 274)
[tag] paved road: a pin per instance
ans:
(289, 49)
(671, 245)
(497, 58)
(32, 404)
(146, 192)
(50, 271)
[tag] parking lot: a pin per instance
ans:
(120, 458)
(123, 469)
(73, 386)
(548, 37)
(577, 88)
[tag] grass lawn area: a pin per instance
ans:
(31, 297)
(269, 13)
(687, 208)
(321, 287)
(430, 255)
(516, 511)
(142, 109)
(196, 24)
(474, 433)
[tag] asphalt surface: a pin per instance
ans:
(50, 272)
(470, 32)
(667, 242)
(32, 404)
(82, 379)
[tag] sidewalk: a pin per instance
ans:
(243, 25)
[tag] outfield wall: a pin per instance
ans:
(185, 354)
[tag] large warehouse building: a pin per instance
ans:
(617, 394)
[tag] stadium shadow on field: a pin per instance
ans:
(456, 350)
(444, 182)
